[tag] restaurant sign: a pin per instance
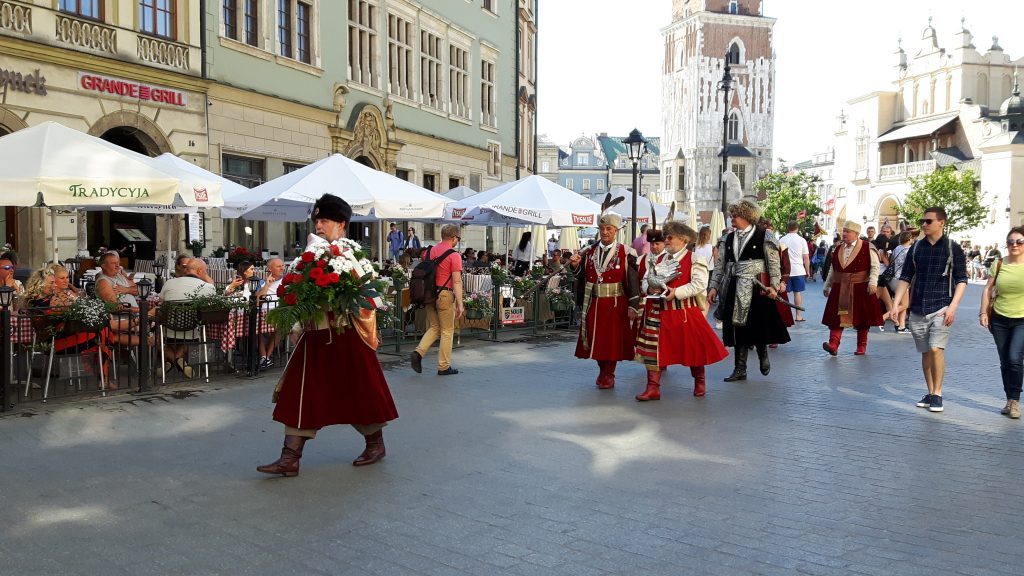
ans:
(130, 89)
(34, 83)
(582, 219)
(80, 191)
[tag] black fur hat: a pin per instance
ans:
(331, 207)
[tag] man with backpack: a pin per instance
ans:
(935, 272)
(441, 272)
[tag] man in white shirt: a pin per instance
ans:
(799, 264)
(177, 289)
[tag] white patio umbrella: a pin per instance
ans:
(717, 225)
(530, 200)
(459, 193)
(569, 239)
(692, 220)
(59, 167)
(643, 207)
(370, 192)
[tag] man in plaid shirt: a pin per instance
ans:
(936, 273)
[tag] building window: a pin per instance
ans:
(740, 170)
(431, 79)
(362, 42)
(494, 162)
(681, 177)
(454, 183)
(229, 12)
(85, 8)
(734, 53)
(249, 20)
(545, 166)
(600, 184)
(862, 196)
(583, 158)
(570, 184)
(246, 171)
(303, 33)
(400, 38)
(488, 116)
(284, 27)
(668, 178)
(586, 184)
(252, 22)
(157, 17)
(734, 127)
(734, 7)
(862, 153)
(289, 167)
(403, 174)
(430, 181)
(491, 6)
(458, 81)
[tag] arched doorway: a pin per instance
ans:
(10, 122)
(889, 212)
(143, 138)
(366, 162)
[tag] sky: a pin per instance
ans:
(599, 62)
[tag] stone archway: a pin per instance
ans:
(10, 122)
(888, 209)
(139, 127)
(371, 136)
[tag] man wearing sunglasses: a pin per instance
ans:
(935, 271)
(7, 277)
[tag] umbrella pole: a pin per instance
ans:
(169, 264)
(53, 235)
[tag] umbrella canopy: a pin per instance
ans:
(643, 207)
(530, 200)
(370, 192)
(459, 193)
(232, 193)
(569, 239)
(60, 166)
(692, 220)
(717, 225)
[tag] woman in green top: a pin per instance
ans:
(1007, 321)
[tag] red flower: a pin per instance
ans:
(333, 278)
(291, 300)
(316, 273)
(280, 291)
(335, 250)
(321, 263)
(307, 257)
(323, 281)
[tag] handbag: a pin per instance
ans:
(993, 294)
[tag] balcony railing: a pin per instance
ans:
(15, 18)
(904, 171)
(86, 34)
(157, 51)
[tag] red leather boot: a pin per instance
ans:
(653, 391)
(288, 463)
(374, 450)
(698, 380)
(606, 379)
(835, 336)
(862, 341)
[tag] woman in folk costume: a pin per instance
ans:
(674, 328)
(608, 288)
(749, 256)
(333, 377)
(850, 289)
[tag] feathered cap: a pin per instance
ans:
(331, 207)
(746, 209)
(609, 218)
(653, 234)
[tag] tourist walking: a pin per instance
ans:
(850, 289)
(1002, 312)
(799, 264)
(333, 376)
(935, 272)
(396, 242)
(749, 256)
(608, 290)
(674, 329)
(449, 305)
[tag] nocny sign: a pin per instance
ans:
(34, 83)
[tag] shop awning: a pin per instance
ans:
(917, 129)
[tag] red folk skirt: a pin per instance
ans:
(677, 332)
(333, 378)
(608, 330)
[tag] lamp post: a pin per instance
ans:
(725, 86)
(6, 296)
(158, 269)
(145, 287)
(636, 147)
(254, 312)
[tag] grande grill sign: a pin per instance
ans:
(130, 89)
(583, 219)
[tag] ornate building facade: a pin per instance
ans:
(702, 36)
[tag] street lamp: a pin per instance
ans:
(6, 296)
(145, 287)
(725, 86)
(254, 311)
(636, 147)
(158, 269)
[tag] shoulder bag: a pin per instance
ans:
(993, 293)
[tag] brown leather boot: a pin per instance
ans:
(862, 342)
(653, 391)
(288, 463)
(374, 450)
(698, 380)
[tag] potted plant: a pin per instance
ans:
(214, 308)
(478, 305)
(399, 277)
(499, 275)
(238, 254)
(197, 247)
(86, 315)
(219, 252)
(561, 299)
(522, 287)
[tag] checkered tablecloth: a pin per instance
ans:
(236, 327)
(21, 329)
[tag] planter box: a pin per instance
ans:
(213, 316)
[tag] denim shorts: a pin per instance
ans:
(929, 331)
(796, 284)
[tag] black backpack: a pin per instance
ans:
(422, 287)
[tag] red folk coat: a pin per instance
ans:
(677, 331)
(609, 335)
(864, 309)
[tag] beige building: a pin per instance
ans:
(111, 68)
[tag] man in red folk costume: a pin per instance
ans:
(333, 377)
(850, 288)
(674, 328)
(607, 286)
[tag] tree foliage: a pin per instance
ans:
(958, 192)
(784, 197)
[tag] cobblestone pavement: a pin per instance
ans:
(519, 466)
